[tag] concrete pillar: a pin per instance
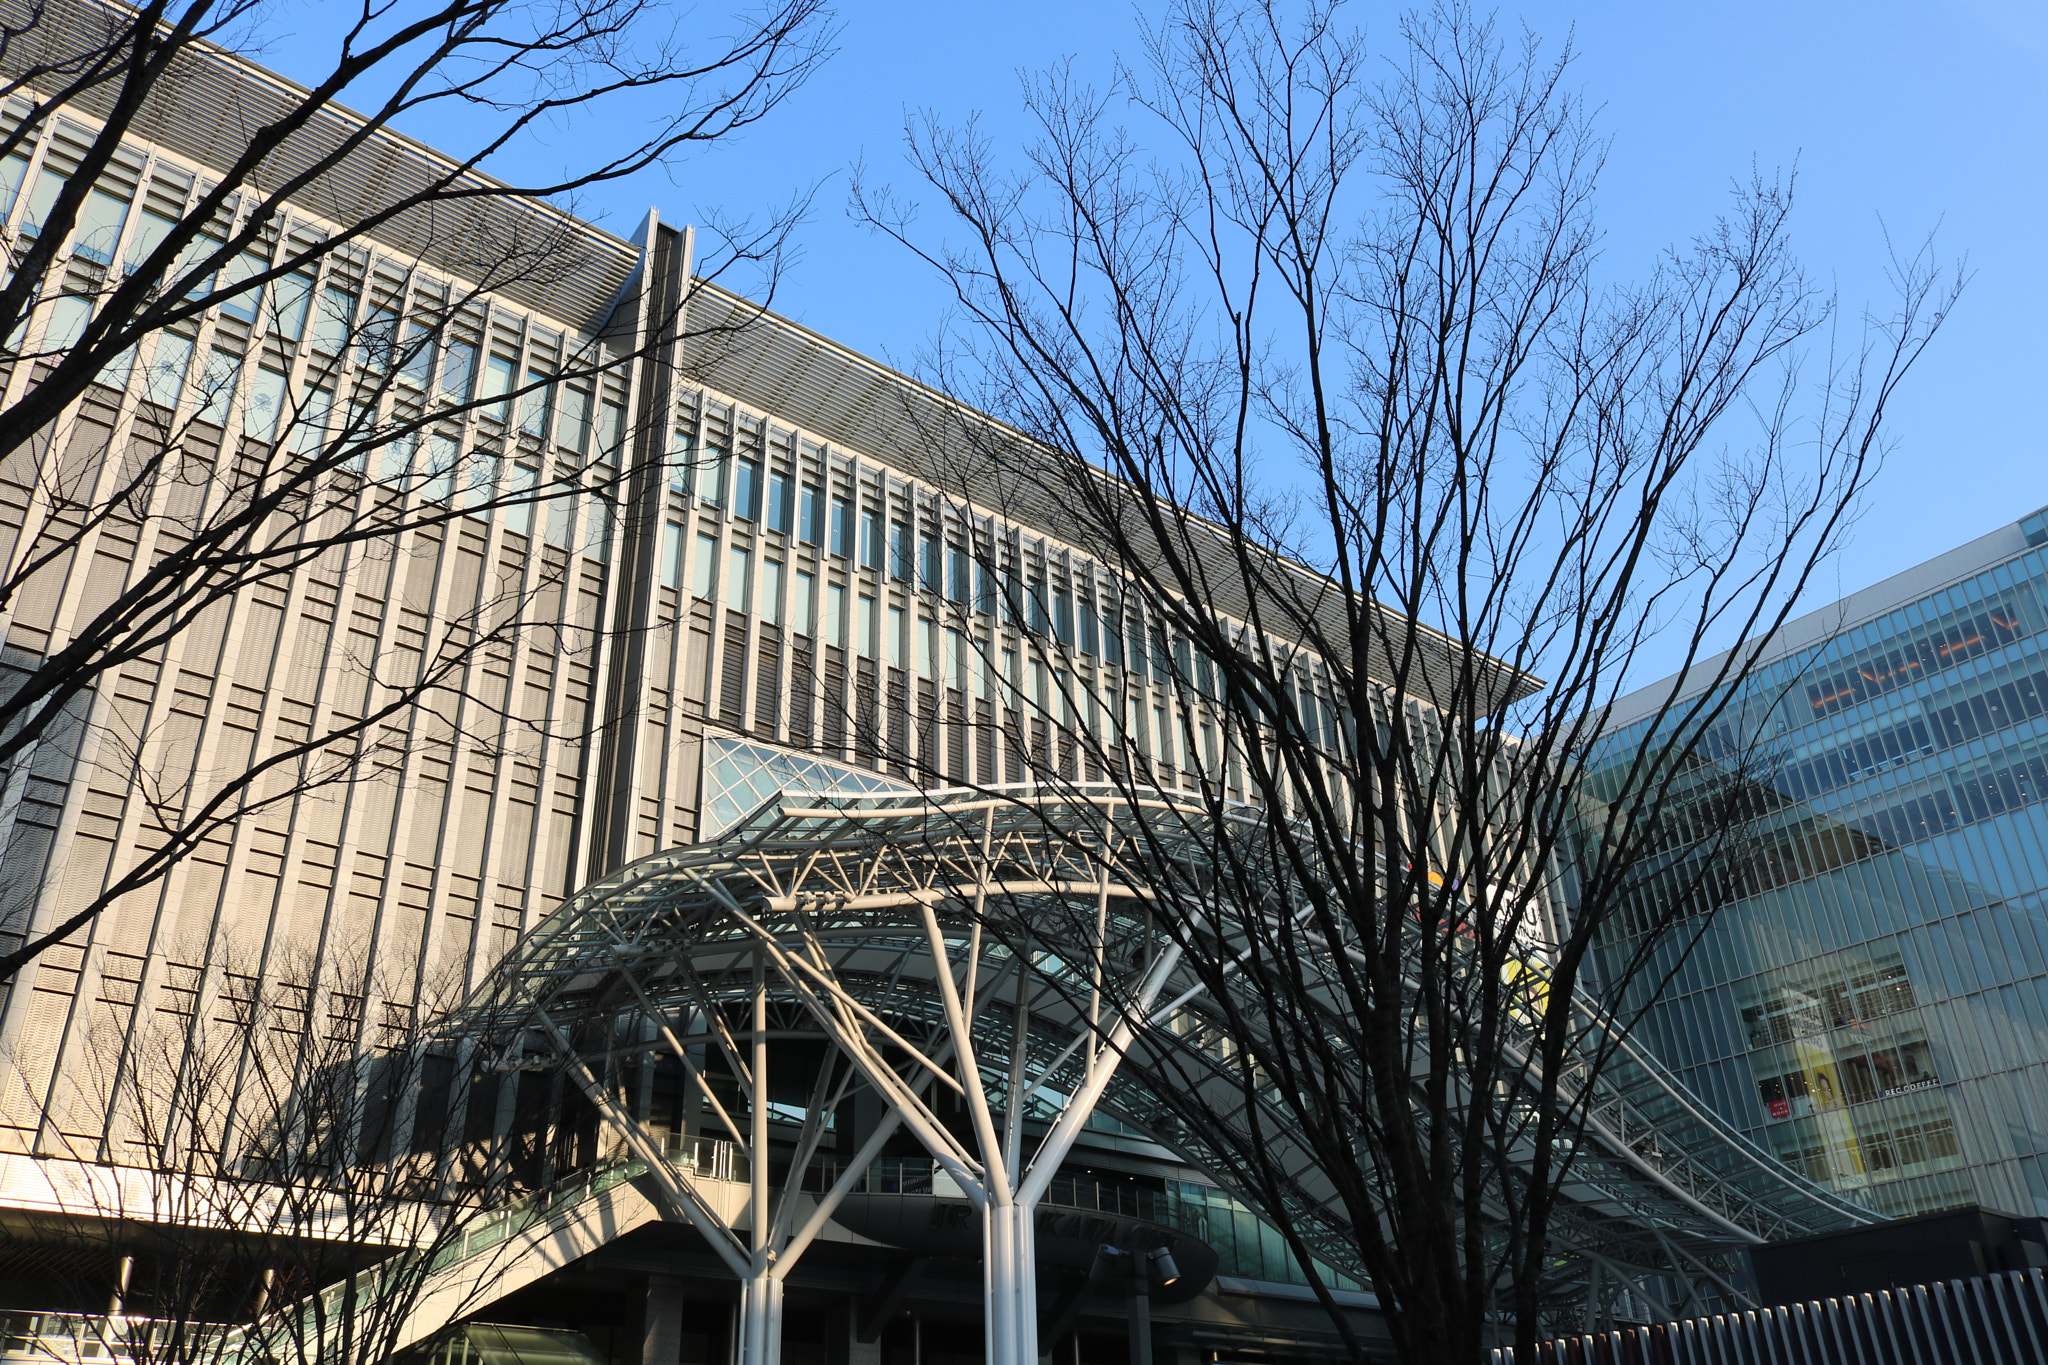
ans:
(661, 1341)
(860, 1352)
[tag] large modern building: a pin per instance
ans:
(1871, 1002)
(819, 592)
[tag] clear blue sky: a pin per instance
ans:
(1905, 114)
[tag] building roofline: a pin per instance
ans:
(1817, 627)
(792, 372)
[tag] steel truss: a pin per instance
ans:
(982, 948)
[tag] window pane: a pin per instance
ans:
(68, 316)
(778, 501)
(672, 555)
(49, 185)
(842, 527)
(899, 551)
(417, 362)
(289, 303)
(11, 171)
(810, 527)
(738, 579)
(771, 592)
(458, 372)
(611, 430)
(266, 402)
(99, 226)
(149, 234)
(870, 539)
(575, 428)
(537, 405)
(864, 627)
(497, 381)
(337, 315)
(217, 387)
(704, 568)
(483, 478)
(711, 476)
(746, 498)
(803, 605)
(246, 266)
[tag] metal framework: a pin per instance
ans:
(954, 950)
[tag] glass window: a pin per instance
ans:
(803, 605)
(337, 317)
(217, 387)
(711, 476)
(899, 551)
(99, 226)
(68, 316)
(483, 478)
(842, 528)
(746, 496)
(1063, 617)
(739, 584)
(984, 589)
(771, 592)
(458, 372)
(442, 455)
(672, 555)
(497, 382)
(416, 364)
(1089, 644)
(537, 405)
(870, 539)
(11, 172)
(864, 627)
(835, 614)
(779, 502)
(574, 431)
(611, 431)
(49, 185)
(895, 640)
(810, 522)
(704, 569)
(519, 514)
(265, 405)
(930, 576)
(311, 419)
(243, 305)
(378, 340)
(597, 528)
(959, 575)
(561, 514)
(290, 301)
(150, 231)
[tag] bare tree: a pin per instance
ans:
(1398, 492)
(216, 382)
(306, 1175)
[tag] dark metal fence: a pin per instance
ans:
(1992, 1320)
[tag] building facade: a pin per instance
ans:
(769, 568)
(1870, 1003)
(771, 577)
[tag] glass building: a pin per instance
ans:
(1871, 1002)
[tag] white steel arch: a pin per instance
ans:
(958, 949)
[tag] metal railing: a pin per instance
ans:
(1991, 1320)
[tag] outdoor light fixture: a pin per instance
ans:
(1162, 1261)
